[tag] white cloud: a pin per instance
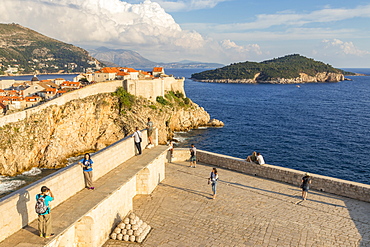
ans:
(290, 18)
(187, 5)
(234, 52)
(341, 48)
(144, 27)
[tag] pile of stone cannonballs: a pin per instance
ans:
(131, 229)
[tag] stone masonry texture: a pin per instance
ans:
(248, 211)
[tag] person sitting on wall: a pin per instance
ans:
(252, 158)
(260, 159)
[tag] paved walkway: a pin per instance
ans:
(249, 211)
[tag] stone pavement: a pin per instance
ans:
(248, 211)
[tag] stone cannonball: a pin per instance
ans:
(132, 238)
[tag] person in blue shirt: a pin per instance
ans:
(44, 219)
(86, 164)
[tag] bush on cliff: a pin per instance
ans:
(162, 101)
(178, 98)
(125, 99)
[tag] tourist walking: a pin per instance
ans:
(137, 139)
(260, 159)
(170, 148)
(43, 210)
(306, 181)
(86, 164)
(252, 158)
(213, 177)
(150, 129)
(193, 156)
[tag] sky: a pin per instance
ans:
(336, 32)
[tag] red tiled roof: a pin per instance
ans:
(32, 98)
(131, 70)
(121, 73)
(158, 69)
(109, 70)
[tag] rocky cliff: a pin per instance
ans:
(47, 138)
(303, 78)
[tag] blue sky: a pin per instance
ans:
(223, 31)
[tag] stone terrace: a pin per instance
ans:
(248, 211)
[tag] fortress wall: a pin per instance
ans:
(19, 205)
(94, 228)
(103, 87)
(149, 89)
(332, 185)
(177, 85)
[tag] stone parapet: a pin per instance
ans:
(332, 185)
(19, 205)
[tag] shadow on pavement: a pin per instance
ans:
(195, 192)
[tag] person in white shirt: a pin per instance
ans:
(137, 139)
(260, 159)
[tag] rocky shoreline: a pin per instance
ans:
(303, 78)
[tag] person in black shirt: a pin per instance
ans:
(306, 181)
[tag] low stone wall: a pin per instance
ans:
(336, 186)
(19, 205)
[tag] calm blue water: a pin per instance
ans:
(321, 128)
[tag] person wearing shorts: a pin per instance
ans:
(306, 181)
(193, 156)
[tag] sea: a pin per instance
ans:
(321, 128)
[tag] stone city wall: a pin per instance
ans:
(103, 87)
(332, 185)
(20, 205)
(151, 88)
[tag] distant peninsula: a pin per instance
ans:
(290, 69)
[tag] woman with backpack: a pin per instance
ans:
(43, 210)
(86, 164)
(213, 178)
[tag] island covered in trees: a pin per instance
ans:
(288, 69)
